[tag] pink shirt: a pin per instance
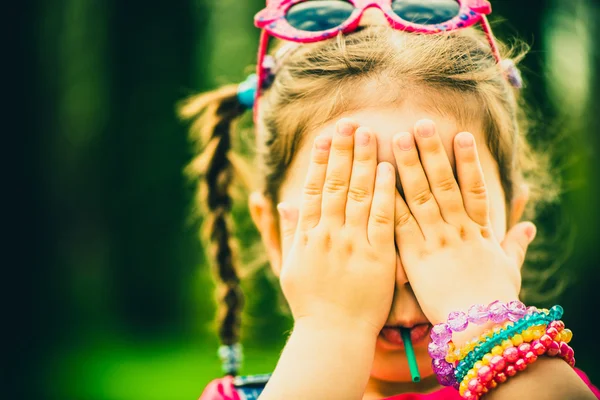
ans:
(223, 389)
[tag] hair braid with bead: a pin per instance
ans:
(215, 113)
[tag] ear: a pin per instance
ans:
(261, 211)
(518, 205)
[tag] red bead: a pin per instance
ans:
(500, 377)
(572, 362)
(546, 340)
(563, 349)
(475, 386)
(524, 348)
(511, 354)
(530, 357)
(537, 347)
(498, 363)
(558, 325)
(485, 374)
(570, 354)
(520, 365)
(491, 385)
(510, 370)
(468, 395)
(552, 332)
(553, 349)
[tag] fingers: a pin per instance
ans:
(517, 241)
(419, 197)
(380, 230)
(362, 182)
(470, 177)
(339, 169)
(289, 223)
(407, 231)
(312, 196)
(439, 172)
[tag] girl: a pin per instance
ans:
(394, 173)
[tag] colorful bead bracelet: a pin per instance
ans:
(493, 370)
(524, 325)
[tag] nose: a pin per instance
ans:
(373, 16)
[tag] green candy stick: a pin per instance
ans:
(410, 355)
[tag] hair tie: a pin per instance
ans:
(231, 358)
(512, 73)
(247, 90)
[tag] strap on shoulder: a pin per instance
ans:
(251, 386)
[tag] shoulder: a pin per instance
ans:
(235, 388)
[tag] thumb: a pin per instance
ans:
(288, 216)
(517, 241)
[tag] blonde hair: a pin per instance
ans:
(455, 74)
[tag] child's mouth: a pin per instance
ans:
(391, 334)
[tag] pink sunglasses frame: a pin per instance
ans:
(272, 21)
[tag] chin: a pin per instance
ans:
(392, 366)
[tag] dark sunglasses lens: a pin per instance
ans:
(426, 12)
(319, 15)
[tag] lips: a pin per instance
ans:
(391, 334)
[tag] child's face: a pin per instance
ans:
(390, 362)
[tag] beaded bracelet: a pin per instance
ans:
(479, 351)
(441, 334)
(478, 314)
(515, 359)
(554, 332)
(533, 332)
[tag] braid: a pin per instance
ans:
(215, 113)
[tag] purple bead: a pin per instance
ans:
(442, 367)
(441, 334)
(478, 314)
(446, 380)
(457, 321)
(437, 351)
(498, 312)
(516, 310)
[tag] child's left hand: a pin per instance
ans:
(444, 236)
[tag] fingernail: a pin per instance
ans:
(530, 231)
(405, 141)
(385, 171)
(465, 139)
(284, 212)
(363, 137)
(322, 143)
(425, 128)
(345, 127)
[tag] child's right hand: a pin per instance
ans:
(339, 254)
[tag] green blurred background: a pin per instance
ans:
(117, 301)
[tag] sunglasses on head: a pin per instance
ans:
(307, 21)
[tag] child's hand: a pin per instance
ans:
(445, 240)
(339, 252)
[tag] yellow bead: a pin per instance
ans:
(527, 335)
(496, 329)
(568, 335)
(517, 340)
(477, 365)
(486, 359)
(471, 375)
(497, 350)
(508, 324)
(486, 333)
(507, 343)
(463, 387)
(537, 334)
